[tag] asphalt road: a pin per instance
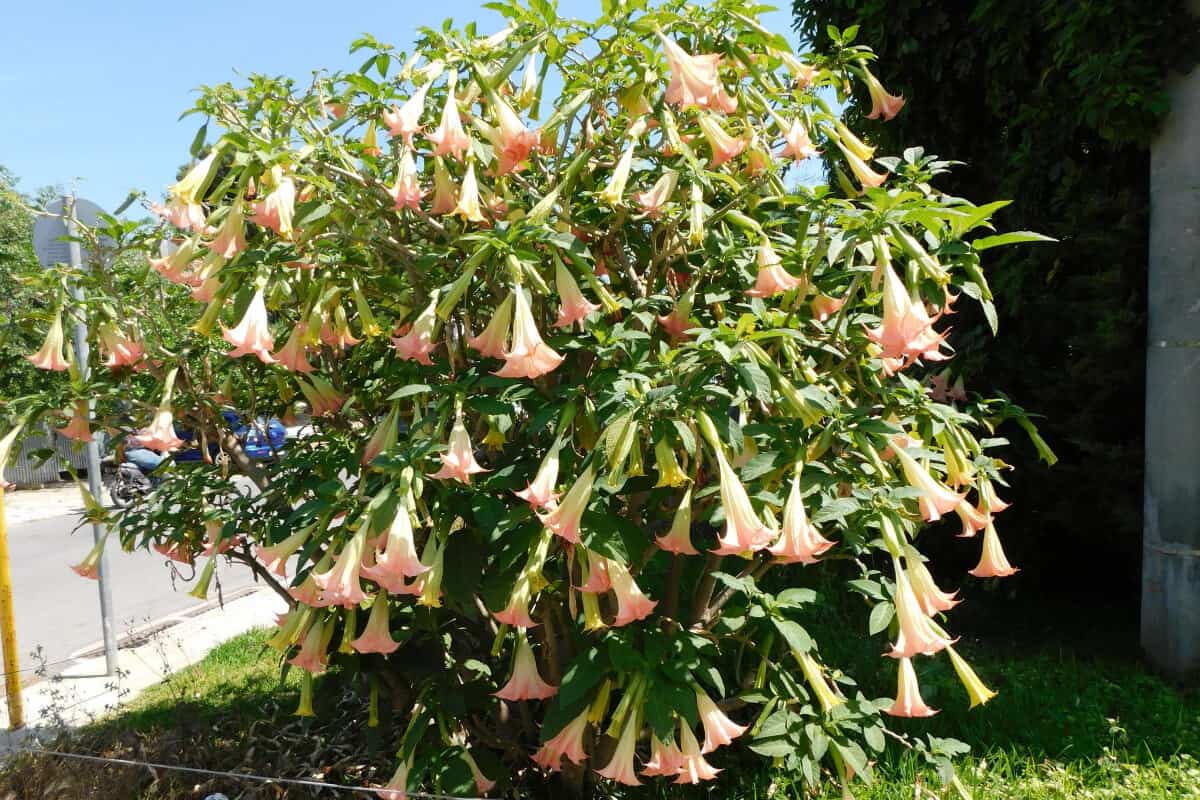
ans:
(60, 611)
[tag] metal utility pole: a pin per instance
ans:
(1171, 543)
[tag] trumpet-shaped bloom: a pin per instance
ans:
(908, 694)
(989, 502)
(214, 545)
(665, 758)
(398, 559)
(50, 355)
(407, 192)
(415, 342)
(340, 584)
(525, 682)
(183, 209)
(868, 177)
(976, 690)
(312, 656)
(292, 355)
(620, 767)
(445, 193)
(160, 435)
(825, 694)
(121, 350)
(514, 141)
(678, 322)
(377, 636)
(936, 498)
(743, 528)
(632, 605)
(883, 105)
(397, 787)
(823, 306)
(482, 784)
(230, 238)
(679, 538)
(564, 520)
(973, 519)
(77, 429)
(802, 73)
(719, 730)
(274, 557)
(992, 562)
(405, 121)
(176, 551)
(724, 147)
(277, 209)
(797, 143)
(384, 436)
(695, 80)
(574, 305)
(799, 541)
(540, 493)
(693, 768)
(614, 190)
(918, 636)
(930, 598)
(906, 332)
(252, 336)
(567, 742)
(598, 579)
(516, 613)
(529, 356)
(468, 198)
(322, 398)
(653, 200)
(449, 138)
(772, 277)
(493, 341)
(459, 461)
(90, 566)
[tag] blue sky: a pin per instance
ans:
(92, 91)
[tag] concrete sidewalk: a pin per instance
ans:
(29, 505)
(82, 692)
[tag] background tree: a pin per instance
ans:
(1052, 104)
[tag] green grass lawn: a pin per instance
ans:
(1064, 726)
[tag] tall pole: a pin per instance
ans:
(1171, 542)
(107, 624)
(8, 627)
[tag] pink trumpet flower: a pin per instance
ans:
(405, 121)
(322, 398)
(459, 462)
(802, 73)
(415, 342)
(445, 193)
(906, 332)
(917, 636)
(214, 545)
(77, 429)
(930, 598)
(482, 784)
(936, 499)
(183, 209)
(772, 277)
(384, 436)
(992, 562)
(377, 636)
(277, 209)
(908, 694)
(598, 579)
(525, 682)
(564, 520)
(161, 433)
(695, 80)
(176, 260)
(883, 105)
(693, 768)
(407, 192)
(252, 336)
(90, 566)
(973, 519)
(657, 196)
(632, 605)
(575, 306)
(724, 147)
(312, 656)
(665, 758)
(719, 730)
(397, 787)
(274, 557)
(567, 742)
(799, 542)
(678, 322)
(516, 613)
(514, 141)
(679, 539)
(540, 493)
(868, 177)
(989, 502)
(468, 198)
(176, 551)
(492, 342)
(230, 238)
(449, 138)
(797, 143)
(398, 559)
(50, 355)
(743, 528)
(529, 356)
(308, 593)
(341, 585)
(122, 350)
(293, 354)
(620, 767)
(823, 306)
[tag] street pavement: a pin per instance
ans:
(60, 611)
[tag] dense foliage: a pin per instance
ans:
(592, 391)
(1052, 104)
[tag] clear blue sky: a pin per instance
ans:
(91, 91)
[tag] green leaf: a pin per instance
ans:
(409, 391)
(794, 634)
(197, 143)
(881, 617)
(1013, 237)
(755, 380)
